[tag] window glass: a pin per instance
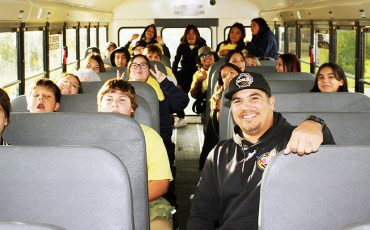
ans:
(281, 39)
(292, 40)
(346, 54)
(83, 42)
(305, 49)
(8, 58)
(172, 36)
(33, 53)
(367, 62)
(126, 33)
(71, 44)
(248, 33)
(102, 38)
(321, 47)
(54, 75)
(55, 50)
(92, 36)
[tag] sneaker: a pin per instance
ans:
(180, 123)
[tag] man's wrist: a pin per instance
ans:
(317, 120)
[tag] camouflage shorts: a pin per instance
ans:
(160, 208)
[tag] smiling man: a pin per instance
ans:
(227, 195)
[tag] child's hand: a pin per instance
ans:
(158, 74)
(134, 36)
(160, 40)
(120, 76)
(202, 75)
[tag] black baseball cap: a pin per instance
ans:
(247, 81)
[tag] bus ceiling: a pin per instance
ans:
(97, 11)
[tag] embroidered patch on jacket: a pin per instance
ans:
(244, 80)
(264, 160)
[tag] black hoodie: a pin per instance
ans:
(228, 192)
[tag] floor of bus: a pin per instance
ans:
(189, 141)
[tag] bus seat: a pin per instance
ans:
(65, 186)
(267, 61)
(322, 102)
(291, 86)
(288, 76)
(261, 69)
(106, 61)
(19, 104)
(161, 67)
(325, 190)
(105, 76)
(119, 134)
(4, 225)
(165, 61)
(114, 69)
(347, 128)
(91, 87)
(357, 226)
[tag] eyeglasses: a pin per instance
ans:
(206, 55)
(143, 65)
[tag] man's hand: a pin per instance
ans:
(305, 139)
(202, 75)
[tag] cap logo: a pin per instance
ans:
(244, 80)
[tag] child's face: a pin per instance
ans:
(68, 85)
(116, 101)
(42, 100)
(120, 59)
(153, 56)
(3, 120)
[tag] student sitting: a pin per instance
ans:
(118, 96)
(330, 78)
(69, 84)
(288, 63)
(44, 97)
(5, 107)
(154, 53)
(120, 57)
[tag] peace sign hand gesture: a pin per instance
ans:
(158, 74)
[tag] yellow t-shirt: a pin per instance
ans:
(170, 75)
(226, 47)
(156, 155)
(195, 79)
(157, 88)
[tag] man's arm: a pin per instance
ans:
(308, 137)
(157, 188)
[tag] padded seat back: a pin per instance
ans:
(119, 134)
(72, 187)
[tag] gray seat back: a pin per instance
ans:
(321, 102)
(347, 128)
(66, 186)
(161, 67)
(166, 61)
(326, 190)
(291, 86)
(6, 225)
(119, 134)
(267, 62)
(288, 76)
(260, 69)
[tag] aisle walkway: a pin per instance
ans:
(188, 144)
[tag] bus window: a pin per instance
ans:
(83, 42)
(55, 53)
(248, 33)
(71, 44)
(305, 47)
(321, 47)
(281, 39)
(346, 54)
(92, 36)
(172, 36)
(102, 38)
(292, 39)
(367, 62)
(125, 34)
(8, 63)
(33, 52)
